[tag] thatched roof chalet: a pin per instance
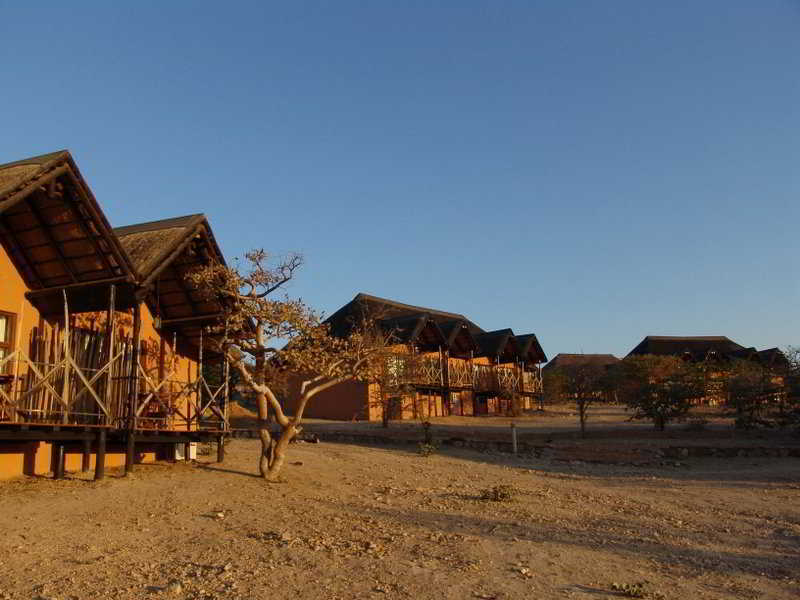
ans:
(452, 330)
(701, 348)
(58, 238)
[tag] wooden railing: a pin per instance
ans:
(462, 374)
(531, 382)
(459, 373)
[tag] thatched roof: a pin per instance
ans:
(530, 348)
(15, 176)
(163, 252)
(500, 345)
(694, 347)
(55, 233)
(459, 338)
(418, 329)
(569, 360)
(149, 244)
(365, 304)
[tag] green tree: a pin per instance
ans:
(659, 388)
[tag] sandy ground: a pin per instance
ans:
(358, 522)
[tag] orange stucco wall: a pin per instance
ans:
(343, 402)
(34, 458)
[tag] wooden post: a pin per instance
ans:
(65, 387)
(110, 323)
(58, 471)
(86, 457)
(133, 401)
(187, 447)
(514, 438)
(444, 357)
(100, 461)
(227, 394)
(201, 376)
(221, 448)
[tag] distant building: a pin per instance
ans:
(602, 361)
(716, 351)
(458, 368)
(702, 348)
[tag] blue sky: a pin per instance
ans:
(590, 171)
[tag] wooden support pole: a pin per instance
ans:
(130, 447)
(86, 456)
(110, 323)
(221, 449)
(100, 461)
(187, 450)
(227, 396)
(133, 401)
(65, 389)
(58, 470)
(514, 438)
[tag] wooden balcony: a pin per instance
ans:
(531, 382)
(460, 373)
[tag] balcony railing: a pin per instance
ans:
(531, 382)
(461, 374)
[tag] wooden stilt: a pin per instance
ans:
(187, 449)
(129, 451)
(100, 461)
(221, 449)
(86, 457)
(133, 401)
(58, 470)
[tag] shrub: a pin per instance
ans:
(499, 493)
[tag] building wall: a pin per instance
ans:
(34, 458)
(343, 402)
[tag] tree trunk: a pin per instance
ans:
(265, 457)
(386, 406)
(279, 453)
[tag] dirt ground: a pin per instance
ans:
(358, 522)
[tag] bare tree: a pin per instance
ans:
(265, 337)
(583, 383)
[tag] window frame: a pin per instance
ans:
(11, 324)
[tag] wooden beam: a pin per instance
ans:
(49, 235)
(31, 187)
(19, 251)
(33, 294)
(179, 321)
(88, 235)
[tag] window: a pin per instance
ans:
(6, 338)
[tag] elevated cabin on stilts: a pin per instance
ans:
(447, 364)
(98, 362)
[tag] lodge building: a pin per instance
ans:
(449, 364)
(102, 356)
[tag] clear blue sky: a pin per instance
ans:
(589, 171)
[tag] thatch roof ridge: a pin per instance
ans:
(169, 223)
(150, 243)
(361, 296)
